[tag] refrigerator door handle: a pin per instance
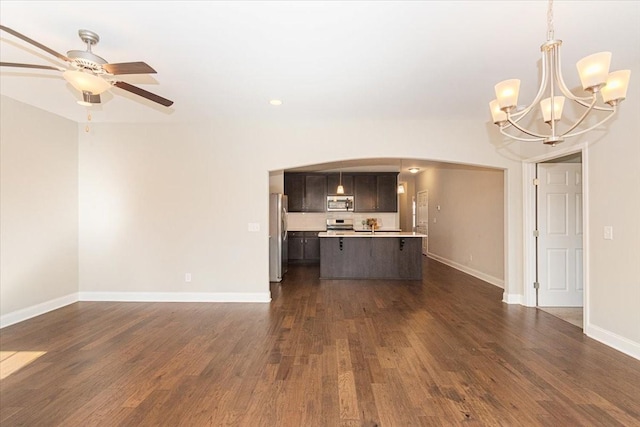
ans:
(285, 225)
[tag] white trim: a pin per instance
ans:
(512, 298)
(613, 340)
(475, 273)
(507, 272)
(176, 296)
(586, 258)
(36, 310)
(54, 304)
(570, 149)
(529, 241)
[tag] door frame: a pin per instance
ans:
(426, 192)
(529, 223)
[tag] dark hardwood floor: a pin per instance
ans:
(444, 351)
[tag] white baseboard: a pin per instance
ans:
(175, 296)
(36, 310)
(512, 298)
(613, 340)
(470, 271)
(45, 307)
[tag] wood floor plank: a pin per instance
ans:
(441, 351)
(346, 383)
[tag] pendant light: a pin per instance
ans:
(340, 189)
(400, 186)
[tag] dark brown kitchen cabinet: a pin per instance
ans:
(376, 192)
(311, 246)
(294, 189)
(306, 192)
(387, 193)
(296, 245)
(371, 258)
(333, 180)
(365, 193)
(373, 192)
(304, 247)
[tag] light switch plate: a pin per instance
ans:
(608, 232)
(253, 226)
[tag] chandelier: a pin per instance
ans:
(594, 76)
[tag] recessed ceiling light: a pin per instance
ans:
(414, 170)
(275, 102)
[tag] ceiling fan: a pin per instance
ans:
(89, 73)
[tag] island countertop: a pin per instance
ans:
(370, 234)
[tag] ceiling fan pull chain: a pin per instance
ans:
(86, 128)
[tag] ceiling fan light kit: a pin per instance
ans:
(594, 77)
(88, 73)
(86, 82)
(88, 99)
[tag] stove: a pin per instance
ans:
(340, 224)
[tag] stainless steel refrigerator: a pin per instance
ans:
(278, 250)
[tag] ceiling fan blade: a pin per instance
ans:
(129, 68)
(143, 93)
(35, 43)
(41, 67)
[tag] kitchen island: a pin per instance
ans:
(367, 255)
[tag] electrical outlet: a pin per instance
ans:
(608, 232)
(187, 277)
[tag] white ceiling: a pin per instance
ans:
(325, 60)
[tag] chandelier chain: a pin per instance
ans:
(550, 31)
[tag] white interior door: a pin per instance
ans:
(422, 225)
(560, 266)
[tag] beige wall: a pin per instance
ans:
(614, 200)
(155, 202)
(38, 209)
(468, 230)
(405, 202)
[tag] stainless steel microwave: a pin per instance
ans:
(340, 203)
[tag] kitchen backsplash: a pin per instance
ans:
(318, 221)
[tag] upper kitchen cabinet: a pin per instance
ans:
(306, 192)
(333, 180)
(376, 192)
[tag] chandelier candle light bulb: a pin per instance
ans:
(616, 88)
(594, 76)
(545, 106)
(499, 116)
(507, 93)
(593, 70)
